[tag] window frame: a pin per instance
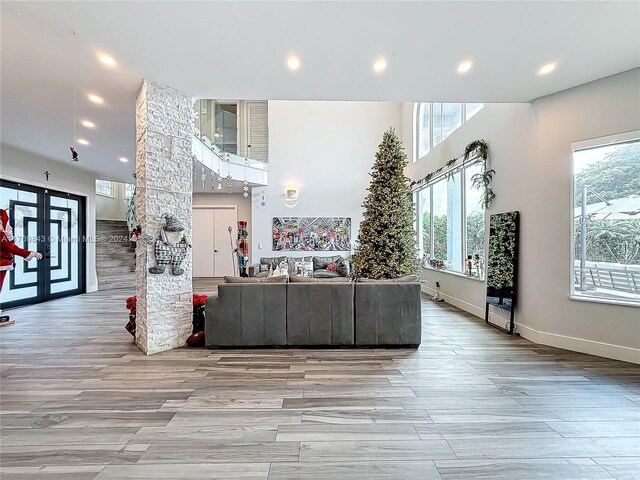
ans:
(463, 225)
(102, 194)
(624, 137)
(417, 124)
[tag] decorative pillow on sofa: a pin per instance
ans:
(341, 264)
(273, 262)
(322, 262)
(343, 267)
(307, 268)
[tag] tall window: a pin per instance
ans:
(129, 191)
(104, 187)
(436, 121)
(606, 219)
(451, 223)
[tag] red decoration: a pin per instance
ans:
(199, 300)
(196, 340)
(332, 267)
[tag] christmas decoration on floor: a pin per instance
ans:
(199, 301)
(386, 246)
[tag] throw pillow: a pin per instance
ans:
(343, 267)
(284, 268)
(307, 268)
(331, 266)
(322, 262)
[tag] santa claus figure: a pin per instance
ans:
(8, 250)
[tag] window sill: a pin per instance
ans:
(457, 274)
(608, 301)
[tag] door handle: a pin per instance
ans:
(215, 251)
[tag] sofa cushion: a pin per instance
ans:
(273, 262)
(405, 279)
(281, 279)
(324, 273)
(321, 263)
(300, 279)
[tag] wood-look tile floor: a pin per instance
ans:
(80, 401)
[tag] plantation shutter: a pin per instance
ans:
(257, 130)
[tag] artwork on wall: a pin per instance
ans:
(502, 265)
(311, 234)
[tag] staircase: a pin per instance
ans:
(115, 256)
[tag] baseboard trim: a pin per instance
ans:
(590, 347)
(456, 302)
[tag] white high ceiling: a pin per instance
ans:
(238, 50)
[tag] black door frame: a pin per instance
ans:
(44, 221)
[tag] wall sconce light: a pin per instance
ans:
(291, 197)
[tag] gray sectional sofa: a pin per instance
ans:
(248, 314)
(269, 312)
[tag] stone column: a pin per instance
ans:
(164, 184)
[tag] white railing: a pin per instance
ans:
(609, 276)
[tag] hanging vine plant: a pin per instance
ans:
(476, 150)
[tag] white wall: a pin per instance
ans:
(19, 165)
(326, 150)
(530, 151)
(243, 204)
(112, 208)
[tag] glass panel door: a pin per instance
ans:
(23, 204)
(64, 246)
(52, 223)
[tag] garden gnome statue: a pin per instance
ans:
(171, 246)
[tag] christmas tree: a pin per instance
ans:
(386, 246)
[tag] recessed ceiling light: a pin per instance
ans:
(123, 159)
(293, 62)
(546, 69)
(82, 141)
(380, 65)
(88, 124)
(464, 67)
(107, 60)
(95, 98)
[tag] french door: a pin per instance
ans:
(214, 231)
(52, 223)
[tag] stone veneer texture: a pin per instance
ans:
(163, 185)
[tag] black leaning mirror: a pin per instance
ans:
(502, 266)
